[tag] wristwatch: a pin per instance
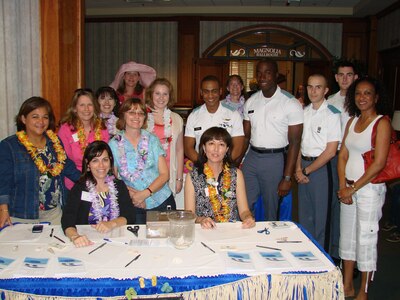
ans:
(287, 178)
(304, 172)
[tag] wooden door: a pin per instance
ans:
(204, 67)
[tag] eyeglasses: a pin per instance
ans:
(136, 113)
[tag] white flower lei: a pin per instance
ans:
(95, 199)
(167, 127)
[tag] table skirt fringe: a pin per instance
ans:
(327, 285)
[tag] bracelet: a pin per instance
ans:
(304, 172)
(151, 192)
(179, 179)
(74, 237)
(353, 187)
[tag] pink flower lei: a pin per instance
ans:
(142, 150)
(98, 210)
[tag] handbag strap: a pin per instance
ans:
(373, 135)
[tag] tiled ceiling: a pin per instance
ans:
(317, 8)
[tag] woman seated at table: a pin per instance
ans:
(98, 198)
(215, 190)
(33, 165)
(140, 161)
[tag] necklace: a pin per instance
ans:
(83, 141)
(101, 210)
(53, 168)
(239, 105)
(219, 203)
(110, 121)
(142, 152)
(167, 121)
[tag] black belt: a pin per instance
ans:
(309, 158)
(271, 150)
(349, 182)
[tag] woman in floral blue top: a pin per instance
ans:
(140, 161)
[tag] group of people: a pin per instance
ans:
(120, 152)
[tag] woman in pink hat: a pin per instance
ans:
(132, 79)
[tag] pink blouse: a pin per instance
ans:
(70, 139)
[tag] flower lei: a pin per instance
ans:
(99, 212)
(167, 121)
(110, 121)
(83, 141)
(240, 103)
(219, 203)
(142, 150)
(53, 168)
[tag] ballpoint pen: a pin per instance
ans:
(51, 233)
(207, 247)
(58, 239)
(136, 258)
(288, 242)
(266, 247)
(102, 245)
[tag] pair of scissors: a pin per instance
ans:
(265, 230)
(133, 229)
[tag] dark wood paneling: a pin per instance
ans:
(188, 51)
(62, 51)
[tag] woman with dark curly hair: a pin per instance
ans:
(215, 190)
(33, 166)
(361, 200)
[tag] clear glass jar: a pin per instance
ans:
(181, 228)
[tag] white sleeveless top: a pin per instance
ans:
(357, 144)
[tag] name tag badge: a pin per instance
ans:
(85, 196)
(75, 137)
(251, 111)
(197, 128)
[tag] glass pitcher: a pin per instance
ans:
(181, 228)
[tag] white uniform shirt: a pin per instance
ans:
(320, 127)
(200, 120)
(338, 101)
(270, 118)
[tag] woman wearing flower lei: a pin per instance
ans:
(98, 198)
(215, 190)
(140, 161)
(80, 126)
(109, 106)
(168, 127)
(237, 94)
(33, 165)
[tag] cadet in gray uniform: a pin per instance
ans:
(345, 76)
(321, 135)
(273, 123)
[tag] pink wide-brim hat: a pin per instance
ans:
(147, 74)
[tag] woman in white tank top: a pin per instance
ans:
(361, 201)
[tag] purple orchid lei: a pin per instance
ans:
(110, 121)
(98, 211)
(142, 150)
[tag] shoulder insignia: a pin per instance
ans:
(196, 108)
(227, 106)
(333, 109)
(287, 94)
